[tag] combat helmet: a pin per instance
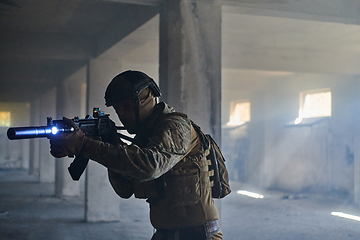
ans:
(128, 85)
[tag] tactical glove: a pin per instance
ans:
(67, 144)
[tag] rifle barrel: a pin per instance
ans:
(28, 132)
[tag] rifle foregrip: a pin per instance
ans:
(77, 167)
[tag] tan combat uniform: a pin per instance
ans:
(167, 166)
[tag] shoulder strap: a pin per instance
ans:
(204, 141)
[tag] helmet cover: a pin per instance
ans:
(128, 85)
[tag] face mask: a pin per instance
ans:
(126, 110)
(146, 105)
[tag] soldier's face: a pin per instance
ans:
(126, 113)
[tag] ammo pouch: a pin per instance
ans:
(182, 185)
(221, 186)
(183, 190)
(179, 190)
(149, 189)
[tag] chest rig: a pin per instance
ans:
(185, 183)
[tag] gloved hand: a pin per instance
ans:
(67, 144)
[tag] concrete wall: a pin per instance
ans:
(14, 154)
(320, 157)
(34, 161)
(70, 102)
(243, 147)
(317, 157)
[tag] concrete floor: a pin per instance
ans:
(28, 210)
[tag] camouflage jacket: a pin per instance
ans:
(167, 166)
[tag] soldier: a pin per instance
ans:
(167, 163)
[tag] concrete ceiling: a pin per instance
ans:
(287, 44)
(43, 41)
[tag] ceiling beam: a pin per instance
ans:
(138, 2)
(291, 61)
(17, 72)
(134, 17)
(338, 11)
(45, 46)
(64, 10)
(158, 2)
(24, 92)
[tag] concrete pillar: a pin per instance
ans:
(357, 168)
(356, 127)
(26, 154)
(26, 143)
(190, 60)
(257, 138)
(70, 103)
(46, 161)
(268, 166)
(102, 204)
(34, 143)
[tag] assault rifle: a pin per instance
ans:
(98, 126)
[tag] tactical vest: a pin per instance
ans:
(184, 183)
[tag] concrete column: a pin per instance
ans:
(102, 204)
(190, 60)
(26, 154)
(357, 168)
(70, 103)
(26, 143)
(268, 166)
(46, 161)
(356, 124)
(34, 143)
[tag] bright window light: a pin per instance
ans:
(316, 103)
(344, 215)
(5, 119)
(250, 194)
(239, 113)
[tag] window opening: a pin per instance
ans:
(239, 113)
(5, 119)
(313, 104)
